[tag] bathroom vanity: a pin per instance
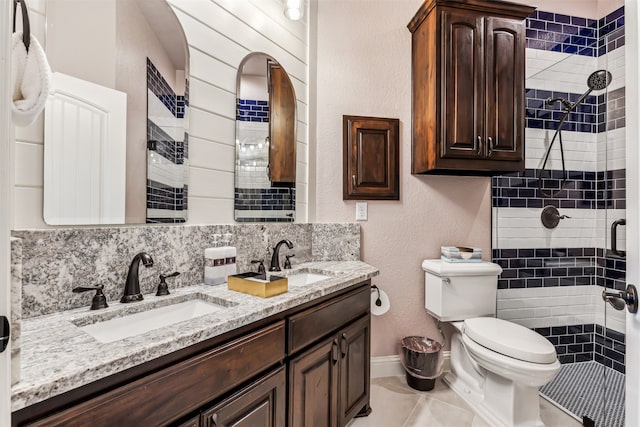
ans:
(286, 360)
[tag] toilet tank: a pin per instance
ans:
(460, 290)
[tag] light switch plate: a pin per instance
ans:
(361, 211)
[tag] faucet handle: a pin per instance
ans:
(287, 261)
(99, 300)
(163, 288)
(260, 262)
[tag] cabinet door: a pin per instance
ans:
(463, 85)
(505, 46)
(263, 404)
(313, 382)
(370, 158)
(354, 369)
(282, 127)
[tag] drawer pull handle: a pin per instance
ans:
(353, 180)
(479, 145)
(213, 420)
(334, 351)
(490, 146)
(344, 345)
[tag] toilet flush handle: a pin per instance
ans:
(446, 281)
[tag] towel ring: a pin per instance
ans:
(26, 27)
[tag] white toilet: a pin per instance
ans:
(497, 366)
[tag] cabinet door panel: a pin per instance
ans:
(260, 405)
(354, 368)
(505, 43)
(313, 382)
(463, 65)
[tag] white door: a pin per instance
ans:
(632, 43)
(84, 153)
(6, 170)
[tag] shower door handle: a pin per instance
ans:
(614, 237)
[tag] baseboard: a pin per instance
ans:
(390, 366)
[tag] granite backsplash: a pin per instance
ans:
(54, 261)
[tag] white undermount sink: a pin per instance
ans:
(303, 279)
(133, 324)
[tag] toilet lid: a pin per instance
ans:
(510, 339)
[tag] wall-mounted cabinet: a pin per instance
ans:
(370, 158)
(468, 87)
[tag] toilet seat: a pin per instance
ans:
(510, 339)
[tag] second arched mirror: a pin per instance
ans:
(265, 179)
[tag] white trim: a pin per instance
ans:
(6, 173)
(632, 42)
(390, 366)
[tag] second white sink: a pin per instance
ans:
(138, 323)
(303, 279)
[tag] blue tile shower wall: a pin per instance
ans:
(581, 190)
(575, 35)
(546, 267)
(581, 343)
(533, 268)
(251, 110)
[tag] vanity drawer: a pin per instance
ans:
(312, 324)
(182, 388)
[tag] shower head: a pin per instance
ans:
(599, 80)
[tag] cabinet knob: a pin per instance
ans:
(344, 345)
(479, 145)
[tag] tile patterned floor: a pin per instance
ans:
(395, 404)
(589, 388)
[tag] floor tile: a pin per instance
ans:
(395, 404)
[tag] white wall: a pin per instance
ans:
(220, 33)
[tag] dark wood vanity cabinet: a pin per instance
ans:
(468, 98)
(263, 403)
(337, 368)
(309, 361)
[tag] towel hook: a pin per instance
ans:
(26, 27)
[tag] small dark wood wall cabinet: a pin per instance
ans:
(308, 366)
(468, 87)
(370, 158)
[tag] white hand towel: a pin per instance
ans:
(31, 78)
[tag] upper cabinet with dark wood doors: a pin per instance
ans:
(468, 87)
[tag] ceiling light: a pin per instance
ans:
(294, 9)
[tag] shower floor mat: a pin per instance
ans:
(579, 388)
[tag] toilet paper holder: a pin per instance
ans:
(378, 300)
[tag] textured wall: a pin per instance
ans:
(364, 68)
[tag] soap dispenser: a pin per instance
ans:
(214, 263)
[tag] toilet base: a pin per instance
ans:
(496, 408)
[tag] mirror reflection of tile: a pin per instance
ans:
(167, 150)
(255, 199)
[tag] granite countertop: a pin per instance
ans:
(57, 356)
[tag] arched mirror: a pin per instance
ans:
(265, 179)
(115, 147)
